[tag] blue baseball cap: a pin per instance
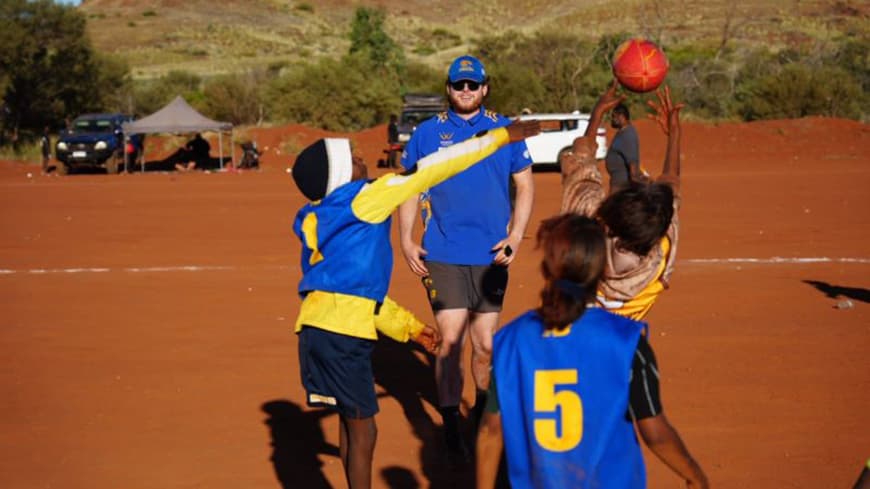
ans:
(466, 68)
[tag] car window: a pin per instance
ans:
(570, 124)
(92, 126)
(83, 126)
(551, 126)
(415, 117)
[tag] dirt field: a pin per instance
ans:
(146, 336)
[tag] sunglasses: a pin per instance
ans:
(461, 84)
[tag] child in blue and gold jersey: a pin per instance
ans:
(571, 381)
(641, 218)
(346, 264)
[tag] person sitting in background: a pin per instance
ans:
(195, 151)
(250, 156)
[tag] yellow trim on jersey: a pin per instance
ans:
(355, 316)
(309, 231)
(425, 210)
(376, 201)
(638, 307)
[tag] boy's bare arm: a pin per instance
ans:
(663, 440)
(667, 116)
(608, 100)
(582, 191)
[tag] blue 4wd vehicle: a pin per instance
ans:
(96, 140)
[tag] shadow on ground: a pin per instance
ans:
(297, 440)
(410, 379)
(838, 291)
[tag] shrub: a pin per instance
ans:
(334, 95)
(150, 96)
(234, 98)
(547, 72)
(798, 91)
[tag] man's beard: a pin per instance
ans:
(465, 108)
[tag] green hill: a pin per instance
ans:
(210, 36)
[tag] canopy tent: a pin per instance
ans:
(178, 117)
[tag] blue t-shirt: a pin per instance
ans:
(465, 216)
(563, 398)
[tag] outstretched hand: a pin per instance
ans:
(667, 114)
(609, 99)
(429, 338)
(519, 130)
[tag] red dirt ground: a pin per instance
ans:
(121, 368)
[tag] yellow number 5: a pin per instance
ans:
(569, 405)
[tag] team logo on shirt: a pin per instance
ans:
(446, 139)
(493, 116)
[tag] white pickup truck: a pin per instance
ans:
(558, 132)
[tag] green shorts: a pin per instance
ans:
(478, 288)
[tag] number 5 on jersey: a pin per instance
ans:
(549, 402)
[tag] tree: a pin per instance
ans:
(368, 38)
(154, 94)
(48, 69)
(235, 98)
(335, 95)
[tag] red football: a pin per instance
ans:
(639, 65)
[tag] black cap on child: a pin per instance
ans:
(322, 167)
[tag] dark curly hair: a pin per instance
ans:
(639, 215)
(573, 262)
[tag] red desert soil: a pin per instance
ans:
(147, 327)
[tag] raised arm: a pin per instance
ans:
(667, 116)
(606, 102)
(381, 197)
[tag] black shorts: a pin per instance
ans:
(479, 288)
(337, 372)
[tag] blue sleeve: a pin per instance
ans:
(520, 157)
